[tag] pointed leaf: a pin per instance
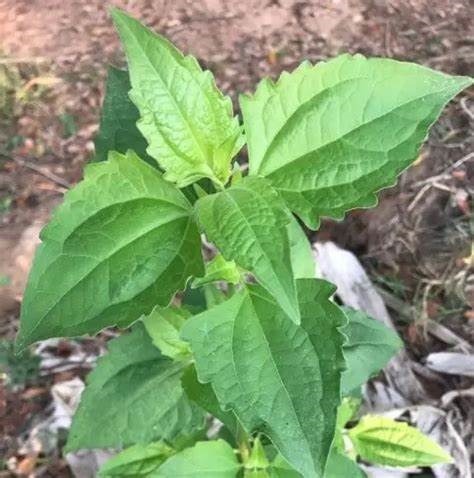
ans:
(384, 441)
(369, 346)
(277, 377)
(136, 461)
(119, 406)
(163, 325)
(247, 222)
(330, 136)
(122, 241)
(186, 120)
(209, 459)
(118, 121)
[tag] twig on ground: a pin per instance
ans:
(444, 174)
(466, 108)
(38, 169)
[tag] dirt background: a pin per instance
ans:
(53, 56)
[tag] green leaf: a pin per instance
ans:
(134, 395)
(136, 461)
(302, 259)
(281, 469)
(258, 458)
(208, 459)
(213, 295)
(18, 369)
(386, 442)
(204, 396)
(122, 242)
(247, 222)
(340, 466)
(194, 300)
(278, 378)
(369, 346)
(186, 120)
(218, 269)
(163, 325)
(118, 121)
(330, 136)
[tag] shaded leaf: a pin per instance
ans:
(278, 378)
(330, 136)
(384, 441)
(118, 120)
(186, 120)
(247, 222)
(122, 242)
(134, 395)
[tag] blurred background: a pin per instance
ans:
(416, 246)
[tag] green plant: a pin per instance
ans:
(17, 370)
(270, 357)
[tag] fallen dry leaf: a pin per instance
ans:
(26, 465)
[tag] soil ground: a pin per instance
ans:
(53, 58)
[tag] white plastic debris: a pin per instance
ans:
(452, 363)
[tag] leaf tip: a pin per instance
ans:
(117, 13)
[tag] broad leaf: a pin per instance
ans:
(122, 241)
(218, 269)
(186, 120)
(118, 121)
(209, 459)
(204, 396)
(247, 222)
(163, 325)
(340, 466)
(134, 395)
(302, 259)
(277, 377)
(369, 346)
(136, 461)
(330, 136)
(384, 441)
